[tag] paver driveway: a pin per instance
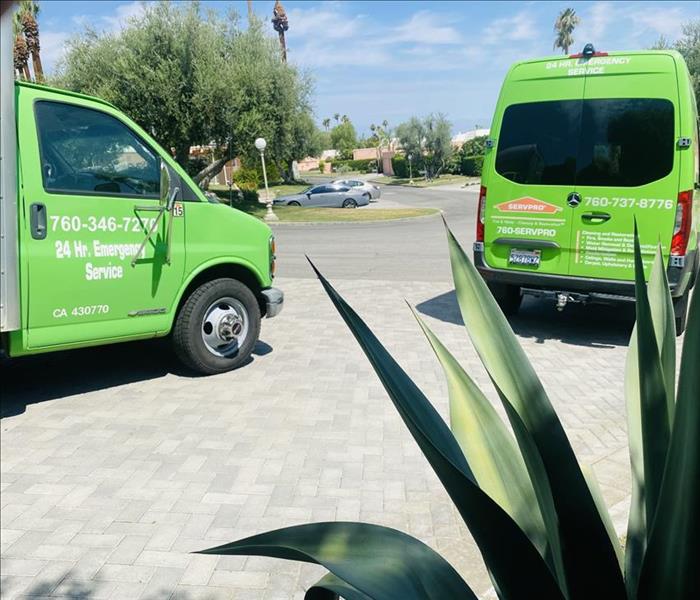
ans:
(114, 468)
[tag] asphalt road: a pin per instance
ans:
(405, 250)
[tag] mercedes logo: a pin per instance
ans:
(573, 199)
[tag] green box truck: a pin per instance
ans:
(104, 238)
(580, 146)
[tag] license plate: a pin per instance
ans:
(530, 258)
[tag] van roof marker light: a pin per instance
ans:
(588, 52)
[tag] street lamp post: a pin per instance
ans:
(261, 144)
(410, 169)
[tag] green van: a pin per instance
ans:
(579, 147)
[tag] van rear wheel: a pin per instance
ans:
(680, 311)
(217, 327)
(507, 296)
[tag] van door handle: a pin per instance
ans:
(38, 220)
(595, 217)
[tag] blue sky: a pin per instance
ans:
(391, 60)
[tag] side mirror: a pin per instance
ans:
(308, 195)
(168, 190)
(164, 184)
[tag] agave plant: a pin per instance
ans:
(536, 515)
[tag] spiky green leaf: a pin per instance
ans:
(508, 553)
(489, 447)
(670, 566)
(379, 562)
(585, 545)
(329, 587)
(661, 308)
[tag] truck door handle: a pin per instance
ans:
(595, 217)
(38, 220)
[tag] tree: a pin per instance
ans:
(26, 43)
(326, 123)
(428, 141)
(194, 79)
(688, 45)
(344, 138)
(336, 116)
(280, 23)
(564, 27)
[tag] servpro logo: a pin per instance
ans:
(528, 205)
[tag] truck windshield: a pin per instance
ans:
(622, 142)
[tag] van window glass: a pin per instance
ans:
(625, 142)
(537, 142)
(86, 151)
(606, 142)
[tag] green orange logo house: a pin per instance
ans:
(527, 204)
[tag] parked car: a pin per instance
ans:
(327, 195)
(581, 147)
(371, 191)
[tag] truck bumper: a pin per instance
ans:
(274, 300)
(679, 278)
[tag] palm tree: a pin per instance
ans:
(281, 24)
(564, 26)
(28, 10)
(326, 123)
(336, 116)
(21, 52)
(344, 119)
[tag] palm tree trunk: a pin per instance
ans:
(38, 69)
(283, 44)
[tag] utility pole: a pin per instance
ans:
(281, 24)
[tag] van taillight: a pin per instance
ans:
(481, 213)
(681, 229)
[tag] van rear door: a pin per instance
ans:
(626, 165)
(533, 173)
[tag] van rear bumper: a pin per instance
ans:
(678, 278)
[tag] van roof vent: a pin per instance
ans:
(588, 52)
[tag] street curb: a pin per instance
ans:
(377, 222)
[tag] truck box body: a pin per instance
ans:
(581, 147)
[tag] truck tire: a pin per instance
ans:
(507, 296)
(217, 327)
(680, 311)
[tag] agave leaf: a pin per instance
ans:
(585, 545)
(511, 558)
(655, 427)
(378, 562)
(489, 447)
(603, 511)
(664, 329)
(670, 567)
(329, 587)
(663, 319)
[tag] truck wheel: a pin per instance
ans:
(680, 311)
(507, 296)
(217, 327)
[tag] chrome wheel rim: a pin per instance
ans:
(225, 326)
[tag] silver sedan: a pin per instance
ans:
(327, 195)
(370, 190)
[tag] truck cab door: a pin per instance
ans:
(91, 194)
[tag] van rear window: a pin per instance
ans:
(623, 142)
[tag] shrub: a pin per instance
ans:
(343, 168)
(247, 178)
(321, 165)
(400, 165)
(537, 516)
(472, 165)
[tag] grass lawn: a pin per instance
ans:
(421, 183)
(298, 214)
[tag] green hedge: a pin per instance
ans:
(368, 165)
(400, 165)
(472, 165)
